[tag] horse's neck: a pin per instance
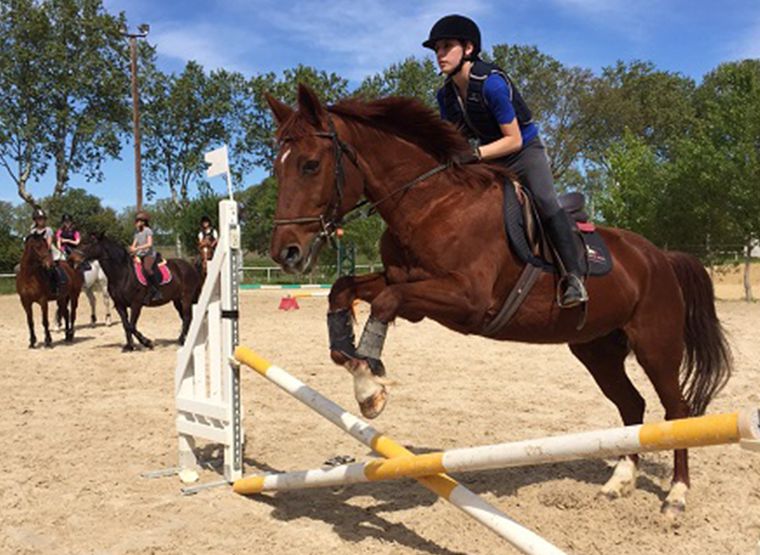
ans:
(387, 170)
(117, 265)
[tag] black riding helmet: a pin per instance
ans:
(205, 218)
(456, 27)
(66, 218)
(38, 213)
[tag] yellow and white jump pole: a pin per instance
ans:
(523, 539)
(718, 429)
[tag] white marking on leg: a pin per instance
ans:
(623, 480)
(675, 502)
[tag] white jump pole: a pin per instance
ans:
(718, 429)
(523, 539)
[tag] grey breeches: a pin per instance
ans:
(533, 170)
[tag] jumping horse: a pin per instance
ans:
(446, 257)
(129, 295)
(33, 285)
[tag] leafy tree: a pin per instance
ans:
(729, 104)
(257, 215)
(555, 94)
(11, 245)
(182, 119)
(412, 77)
(85, 62)
(259, 126)
(24, 112)
(86, 210)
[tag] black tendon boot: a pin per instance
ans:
(572, 292)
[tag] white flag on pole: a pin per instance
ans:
(218, 160)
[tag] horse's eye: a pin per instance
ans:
(311, 167)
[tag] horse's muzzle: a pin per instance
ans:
(291, 258)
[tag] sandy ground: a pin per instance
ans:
(80, 423)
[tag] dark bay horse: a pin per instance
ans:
(33, 286)
(129, 294)
(446, 257)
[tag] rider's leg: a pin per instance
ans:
(533, 168)
(152, 278)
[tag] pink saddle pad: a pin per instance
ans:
(163, 270)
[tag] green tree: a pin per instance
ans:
(257, 215)
(86, 210)
(729, 103)
(24, 108)
(259, 126)
(555, 94)
(85, 60)
(412, 77)
(11, 245)
(182, 118)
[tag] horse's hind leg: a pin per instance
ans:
(106, 302)
(659, 352)
(605, 359)
(74, 300)
(93, 302)
(185, 311)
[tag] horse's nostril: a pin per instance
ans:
(291, 254)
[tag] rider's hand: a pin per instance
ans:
(468, 157)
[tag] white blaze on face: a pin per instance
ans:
(284, 156)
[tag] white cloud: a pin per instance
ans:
(368, 35)
(213, 46)
(748, 43)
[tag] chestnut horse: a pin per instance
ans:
(33, 286)
(129, 294)
(446, 257)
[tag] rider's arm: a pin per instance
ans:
(58, 240)
(76, 239)
(497, 95)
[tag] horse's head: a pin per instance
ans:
(36, 247)
(92, 248)
(318, 180)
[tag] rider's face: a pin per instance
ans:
(448, 53)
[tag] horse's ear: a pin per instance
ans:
(280, 110)
(309, 105)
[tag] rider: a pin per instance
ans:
(41, 228)
(142, 248)
(207, 233)
(67, 237)
(482, 101)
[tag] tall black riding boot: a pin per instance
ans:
(154, 282)
(572, 292)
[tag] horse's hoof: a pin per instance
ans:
(675, 503)
(373, 406)
(32, 344)
(148, 344)
(48, 344)
(623, 480)
(93, 320)
(127, 348)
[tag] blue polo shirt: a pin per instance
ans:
(497, 94)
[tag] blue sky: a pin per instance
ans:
(356, 38)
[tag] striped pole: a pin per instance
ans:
(523, 539)
(702, 431)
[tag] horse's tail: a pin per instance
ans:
(707, 364)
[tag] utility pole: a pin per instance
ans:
(142, 32)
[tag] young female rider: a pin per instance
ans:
(142, 248)
(482, 101)
(67, 237)
(41, 229)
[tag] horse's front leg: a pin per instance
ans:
(28, 306)
(134, 315)
(340, 316)
(46, 323)
(443, 299)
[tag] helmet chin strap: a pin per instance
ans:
(465, 58)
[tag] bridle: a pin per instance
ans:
(331, 220)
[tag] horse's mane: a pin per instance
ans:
(412, 121)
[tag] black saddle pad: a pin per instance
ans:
(594, 255)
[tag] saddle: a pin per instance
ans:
(531, 245)
(159, 266)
